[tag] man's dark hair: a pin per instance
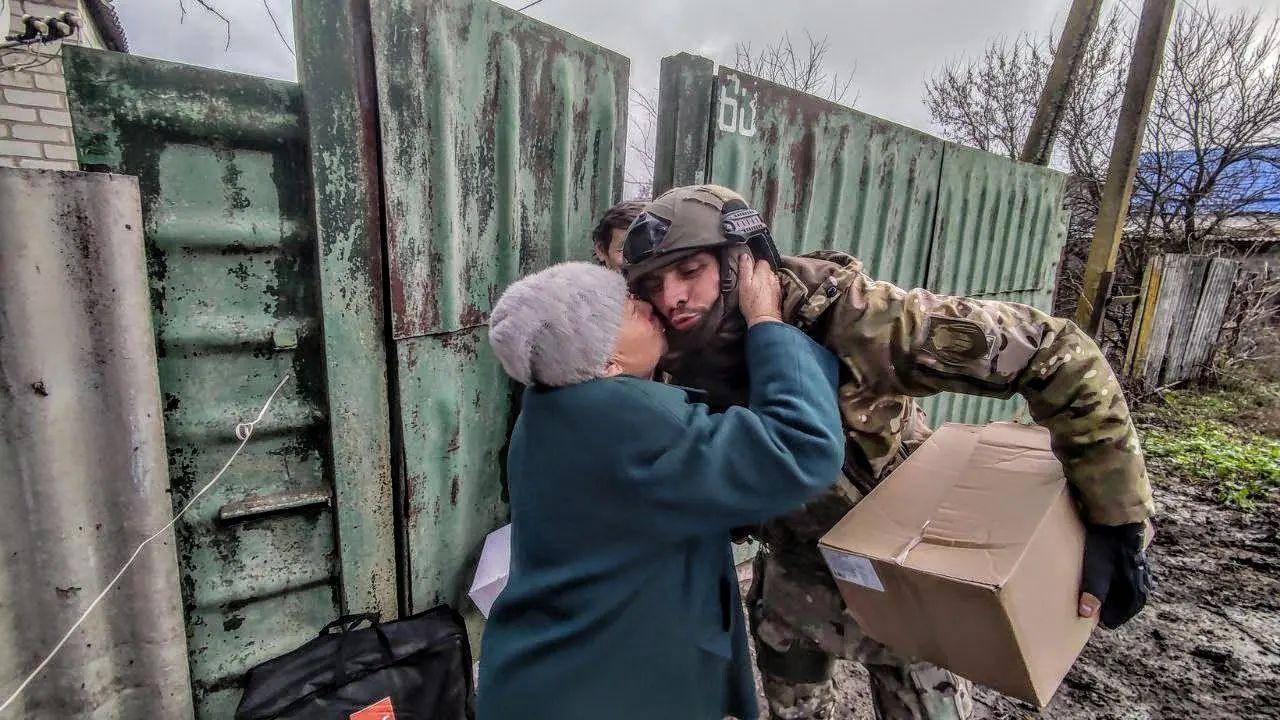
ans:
(618, 217)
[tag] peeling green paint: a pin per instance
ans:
(502, 141)
(502, 144)
(681, 142)
(224, 184)
(337, 86)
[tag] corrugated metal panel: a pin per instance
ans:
(82, 456)
(457, 413)
(1001, 227)
(827, 176)
(222, 172)
(502, 143)
(1219, 282)
(1000, 231)
(1176, 328)
(916, 210)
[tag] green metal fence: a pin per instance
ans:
(917, 210)
(999, 235)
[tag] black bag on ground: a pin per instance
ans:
(415, 668)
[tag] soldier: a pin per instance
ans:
(894, 346)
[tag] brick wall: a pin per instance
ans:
(35, 127)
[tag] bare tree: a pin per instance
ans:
(1212, 131)
(804, 69)
(642, 123)
(1218, 112)
(988, 102)
(1250, 333)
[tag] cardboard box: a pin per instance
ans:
(969, 556)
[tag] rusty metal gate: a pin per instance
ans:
(917, 210)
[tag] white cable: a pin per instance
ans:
(244, 431)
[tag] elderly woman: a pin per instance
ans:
(622, 600)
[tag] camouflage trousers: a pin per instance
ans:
(800, 627)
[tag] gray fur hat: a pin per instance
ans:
(558, 326)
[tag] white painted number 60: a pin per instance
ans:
(737, 108)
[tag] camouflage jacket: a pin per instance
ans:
(896, 345)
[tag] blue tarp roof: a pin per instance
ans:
(1260, 176)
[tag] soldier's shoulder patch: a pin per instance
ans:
(957, 340)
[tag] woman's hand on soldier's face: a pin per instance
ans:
(759, 292)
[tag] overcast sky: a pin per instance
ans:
(893, 44)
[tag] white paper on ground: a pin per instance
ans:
(492, 571)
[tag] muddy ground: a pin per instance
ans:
(1208, 644)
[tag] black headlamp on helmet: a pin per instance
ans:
(644, 239)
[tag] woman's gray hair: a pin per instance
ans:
(558, 326)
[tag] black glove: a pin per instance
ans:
(1116, 571)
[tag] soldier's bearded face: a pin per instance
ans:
(684, 292)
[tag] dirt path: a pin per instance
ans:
(1208, 645)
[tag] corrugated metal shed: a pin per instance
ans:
(82, 456)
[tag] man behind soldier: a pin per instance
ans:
(609, 234)
(894, 346)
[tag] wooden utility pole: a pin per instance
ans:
(1144, 68)
(1060, 83)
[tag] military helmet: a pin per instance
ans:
(691, 219)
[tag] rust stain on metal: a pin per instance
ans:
(492, 178)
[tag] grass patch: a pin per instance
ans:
(1219, 436)
(1233, 404)
(1245, 467)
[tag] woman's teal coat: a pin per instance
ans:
(622, 600)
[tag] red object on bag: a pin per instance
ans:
(380, 710)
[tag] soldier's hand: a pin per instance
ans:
(1116, 578)
(759, 292)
